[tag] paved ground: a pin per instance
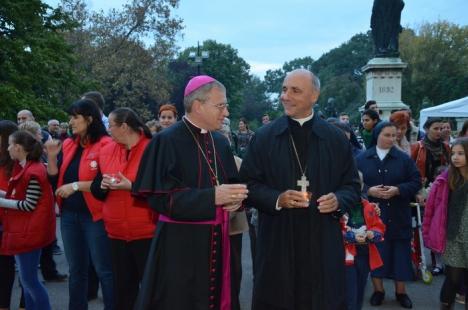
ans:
(425, 297)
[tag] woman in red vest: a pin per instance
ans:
(28, 215)
(7, 262)
(129, 222)
(81, 222)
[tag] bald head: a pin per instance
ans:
(314, 81)
(300, 91)
(24, 115)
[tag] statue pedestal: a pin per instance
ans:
(383, 84)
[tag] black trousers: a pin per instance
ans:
(128, 266)
(253, 239)
(454, 278)
(236, 269)
(7, 277)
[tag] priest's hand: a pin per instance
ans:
(292, 199)
(230, 194)
(327, 203)
(232, 207)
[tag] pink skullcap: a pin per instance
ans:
(197, 82)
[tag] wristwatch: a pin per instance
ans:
(75, 186)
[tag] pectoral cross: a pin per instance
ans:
(303, 183)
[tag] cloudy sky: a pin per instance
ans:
(268, 33)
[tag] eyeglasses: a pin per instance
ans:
(221, 106)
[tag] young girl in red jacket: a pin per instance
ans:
(445, 222)
(28, 215)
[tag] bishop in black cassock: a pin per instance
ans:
(300, 253)
(181, 173)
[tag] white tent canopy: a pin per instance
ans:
(456, 108)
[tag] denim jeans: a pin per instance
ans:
(82, 239)
(35, 293)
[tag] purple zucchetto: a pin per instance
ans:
(197, 82)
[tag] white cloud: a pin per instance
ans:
(259, 68)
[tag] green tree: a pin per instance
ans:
(223, 63)
(36, 64)
(437, 57)
(115, 57)
(340, 74)
(274, 78)
(255, 101)
(339, 71)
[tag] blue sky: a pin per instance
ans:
(268, 33)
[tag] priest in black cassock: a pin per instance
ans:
(189, 177)
(301, 176)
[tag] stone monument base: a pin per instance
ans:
(383, 84)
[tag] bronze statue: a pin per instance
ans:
(385, 24)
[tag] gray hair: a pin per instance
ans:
(53, 121)
(31, 127)
(315, 82)
(27, 112)
(201, 94)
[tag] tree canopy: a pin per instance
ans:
(437, 57)
(223, 63)
(50, 56)
(36, 64)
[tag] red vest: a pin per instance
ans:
(125, 217)
(28, 231)
(3, 179)
(88, 170)
(3, 185)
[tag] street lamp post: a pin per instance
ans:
(198, 57)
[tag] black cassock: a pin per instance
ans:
(300, 253)
(184, 266)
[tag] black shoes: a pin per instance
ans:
(437, 271)
(377, 298)
(404, 300)
(58, 277)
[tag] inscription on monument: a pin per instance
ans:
(386, 89)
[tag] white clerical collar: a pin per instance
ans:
(191, 122)
(23, 163)
(301, 121)
(381, 152)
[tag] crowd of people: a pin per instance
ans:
(157, 210)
